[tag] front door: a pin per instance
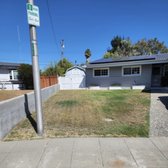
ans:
(156, 76)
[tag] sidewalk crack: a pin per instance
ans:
(130, 152)
(100, 151)
(42, 153)
(72, 153)
(158, 149)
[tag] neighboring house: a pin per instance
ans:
(74, 78)
(151, 71)
(9, 76)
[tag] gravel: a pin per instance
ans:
(159, 113)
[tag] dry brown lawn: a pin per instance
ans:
(91, 113)
(8, 94)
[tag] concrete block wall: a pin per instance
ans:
(12, 111)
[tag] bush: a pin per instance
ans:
(116, 84)
(25, 75)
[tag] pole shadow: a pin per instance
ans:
(28, 114)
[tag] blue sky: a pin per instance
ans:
(82, 24)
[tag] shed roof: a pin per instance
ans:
(76, 67)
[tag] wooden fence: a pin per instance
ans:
(48, 81)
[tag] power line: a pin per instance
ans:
(52, 25)
(19, 45)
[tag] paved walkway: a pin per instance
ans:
(159, 113)
(85, 153)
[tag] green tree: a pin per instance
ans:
(120, 47)
(50, 70)
(151, 46)
(62, 66)
(87, 54)
(116, 43)
(123, 47)
(57, 68)
(25, 75)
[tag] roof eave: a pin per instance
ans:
(78, 67)
(126, 63)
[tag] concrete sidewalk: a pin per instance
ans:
(85, 153)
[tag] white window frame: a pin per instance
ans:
(138, 66)
(101, 75)
(11, 74)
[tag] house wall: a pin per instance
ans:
(4, 75)
(115, 76)
(5, 82)
(10, 86)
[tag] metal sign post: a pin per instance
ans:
(33, 20)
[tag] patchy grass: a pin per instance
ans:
(67, 103)
(91, 113)
(8, 94)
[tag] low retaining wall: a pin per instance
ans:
(12, 111)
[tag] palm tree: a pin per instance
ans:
(87, 55)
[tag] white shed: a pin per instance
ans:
(74, 78)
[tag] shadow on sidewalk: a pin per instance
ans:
(29, 115)
(164, 100)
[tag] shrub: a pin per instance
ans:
(116, 84)
(25, 75)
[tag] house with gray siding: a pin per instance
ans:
(148, 70)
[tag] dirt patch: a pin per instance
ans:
(8, 94)
(118, 164)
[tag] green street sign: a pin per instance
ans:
(29, 6)
(33, 15)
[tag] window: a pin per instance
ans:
(131, 71)
(136, 70)
(101, 72)
(13, 75)
(127, 71)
